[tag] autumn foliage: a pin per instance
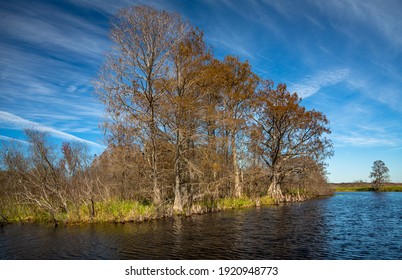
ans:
(183, 129)
(203, 126)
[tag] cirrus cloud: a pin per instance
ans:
(313, 83)
(11, 121)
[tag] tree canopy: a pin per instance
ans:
(190, 113)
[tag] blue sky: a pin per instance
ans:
(344, 57)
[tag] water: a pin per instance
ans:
(361, 225)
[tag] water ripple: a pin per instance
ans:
(345, 226)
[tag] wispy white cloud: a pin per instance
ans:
(53, 29)
(30, 88)
(382, 17)
(11, 121)
(356, 139)
(235, 25)
(312, 84)
(231, 43)
(386, 92)
(363, 127)
(109, 8)
(9, 139)
(106, 6)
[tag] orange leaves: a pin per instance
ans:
(285, 129)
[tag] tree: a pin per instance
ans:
(181, 111)
(283, 131)
(238, 89)
(144, 39)
(36, 175)
(77, 175)
(379, 174)
(186, 117)
(47, 178)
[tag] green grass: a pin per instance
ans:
(109, 211)
(353, 189)
(244, 202)
(117, 211)
(112, 211)
(28, 213)
(391, 188)
(267, 200)
(364, 187)
(18, 212)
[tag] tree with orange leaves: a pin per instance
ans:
(238, 85)
(284, 130)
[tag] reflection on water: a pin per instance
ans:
(345, 226)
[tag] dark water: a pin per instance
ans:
(360, 225)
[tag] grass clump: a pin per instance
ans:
(123, 211)
(267, 200)
(18, 213)
(244, 202)
(236, 203)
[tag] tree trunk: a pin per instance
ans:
(55, 221)
(92, 207)
(236, 172)
(178, 200)
(156, 191)
(274, 189)
(179, 189)
(3, 221)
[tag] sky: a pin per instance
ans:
(343, 57)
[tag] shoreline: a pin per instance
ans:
(125, 211)
(121, 211)
(365, 187)
(115, 211)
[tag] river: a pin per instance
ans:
(360, 225)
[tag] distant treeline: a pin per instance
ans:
(183, 130)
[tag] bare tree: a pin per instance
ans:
(48, 178)
(78, 174)
(36, 175)
(144, 39)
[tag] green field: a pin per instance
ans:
(364, 187)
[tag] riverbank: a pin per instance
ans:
(119, 211)
(339, 227)
(365, 187)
